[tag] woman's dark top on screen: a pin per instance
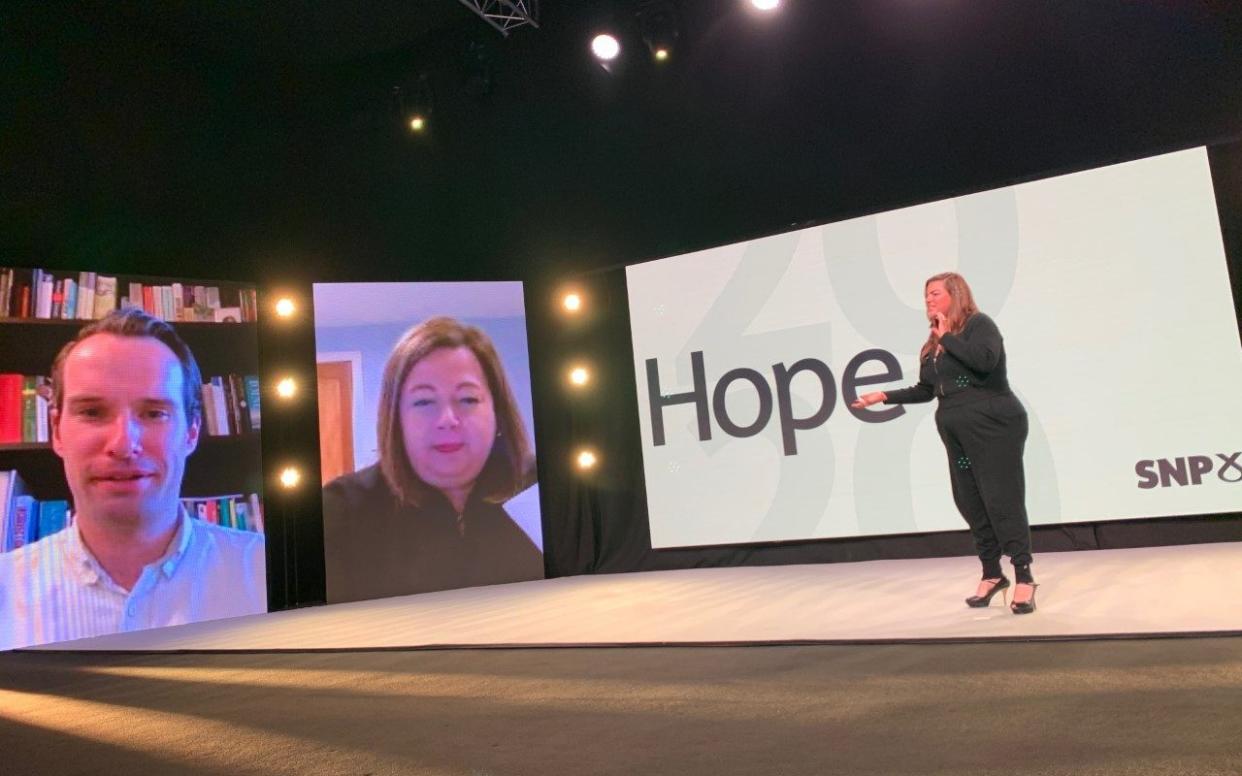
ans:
(375, 547)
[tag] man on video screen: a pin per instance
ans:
(126, 413)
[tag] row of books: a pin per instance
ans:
(24, 402)
(37, 293)
(25, 519)
(243, 512)
(230, 406)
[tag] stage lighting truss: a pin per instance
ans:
(506, 15)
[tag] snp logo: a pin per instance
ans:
(1187, 470)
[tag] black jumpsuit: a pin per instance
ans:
(984, 428)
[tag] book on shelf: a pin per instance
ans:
(215, 414)
(25, 528)
(11, 488)
(53, 517)
(85, 307)
(10, 408)
(230, 401)
(24, 403)
(58, 298)
(40, 294)
(252, 400)
(45, 285)
(68, 298)
(105, 296)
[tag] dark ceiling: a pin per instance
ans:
(256, 139)
(270, 32)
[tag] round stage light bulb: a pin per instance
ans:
(285, 307)
(606, 47)
(587, 460)
(579, 375)
(573, 302)
(418, 123)
(766, 5)
(661, 54)
(286, 388)
(290, 477)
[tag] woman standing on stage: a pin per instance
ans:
(984, 428)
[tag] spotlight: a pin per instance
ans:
(285, 307)
(657, 19)
(586, 459)
(290, 477)
(766, 5)
(572, 302)
(579, 375)
(605, 47)
(286, 388)
(413, 104)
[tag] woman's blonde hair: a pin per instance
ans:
(961, 306)
(510, 465)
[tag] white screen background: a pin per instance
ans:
(1110, 287)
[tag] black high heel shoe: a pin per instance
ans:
(1024, 607)
(980, 601)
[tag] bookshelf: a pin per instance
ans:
(224, 464)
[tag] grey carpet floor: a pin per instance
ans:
(1157, 706)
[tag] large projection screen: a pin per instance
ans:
(1110, 287)
(130, 496)
(426, 437)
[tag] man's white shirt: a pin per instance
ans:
(55, 590)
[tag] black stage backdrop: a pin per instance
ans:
(256, 142)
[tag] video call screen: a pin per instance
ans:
(131, 477)
(1109, 286)
(426, 438)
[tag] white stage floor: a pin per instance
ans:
(1191, 589)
